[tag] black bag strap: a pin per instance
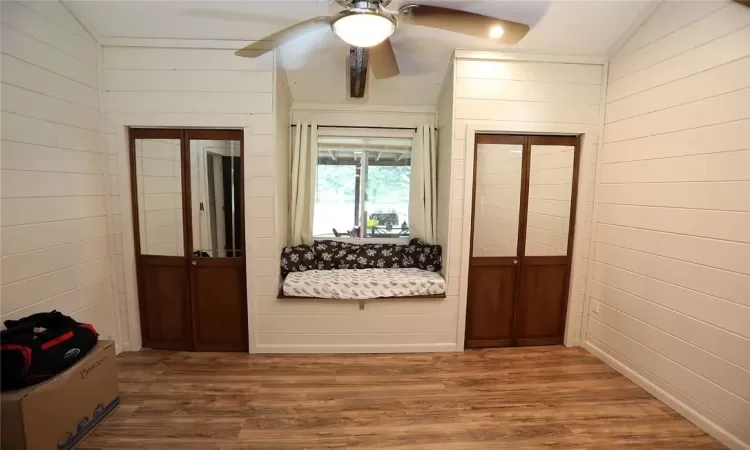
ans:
(27, 324)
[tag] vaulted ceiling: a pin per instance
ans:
(316, 64)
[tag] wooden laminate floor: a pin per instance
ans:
(529, 398)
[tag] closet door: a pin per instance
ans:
(157, 180)
(217, 250)
(548, 235)
(495, 244)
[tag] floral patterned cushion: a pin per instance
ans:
(328, 255)
(423, 256)
(379, 256)
(334, 254)
(299, 258)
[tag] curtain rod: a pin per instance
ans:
(363, 127)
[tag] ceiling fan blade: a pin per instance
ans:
(383, 60)
(464, 22)
(281, 37)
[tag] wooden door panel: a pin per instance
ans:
(489, 314)
(165, 314)
(220, 319)
(542, 304)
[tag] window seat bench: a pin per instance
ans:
(363, 284)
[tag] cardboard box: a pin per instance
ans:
(60, 412)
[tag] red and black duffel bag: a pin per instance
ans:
(38, 347)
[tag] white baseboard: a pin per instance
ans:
(394, 348)
(642, 380)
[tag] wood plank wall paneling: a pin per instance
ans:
(671, 268)
(159, 179)
(187, 87)
(56, 253)
(446, 168)
(535, 97)
(339, 326)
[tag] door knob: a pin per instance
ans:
(194, 263)
(515, 261)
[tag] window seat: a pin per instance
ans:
(363, 284)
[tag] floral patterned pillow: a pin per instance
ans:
(379, 256)
(334, 255)
(423, 256)
(299, 258)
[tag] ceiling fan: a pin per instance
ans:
(366, 25)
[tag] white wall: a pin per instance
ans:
(550, 178)
(670, 275)
(182, 86)
(55, 249)
(363, 115)
(445, 166)
(514, 93)
(498, 199)
(389, 325)
(274, 211)
(159, 178)
(282, 122)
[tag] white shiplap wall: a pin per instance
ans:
(512, 93)
(159, 179)
(339, 326)
(363, 115)
(445, 166)
(193, 87)
(550, 177)
(55, 248)
(670, 278)
(498, 199)
(267, 249)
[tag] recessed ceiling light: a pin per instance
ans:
(496, 32)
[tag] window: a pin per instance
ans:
(362, 188)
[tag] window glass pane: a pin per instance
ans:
(336, 205)
(387, 194)
(550, 189)
(158, 174)
(215, 169)
(498, 200)
(362, 188)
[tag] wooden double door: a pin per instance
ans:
(187, 190)
(523, 216)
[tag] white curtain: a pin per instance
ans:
(423, 188)
(302, 192)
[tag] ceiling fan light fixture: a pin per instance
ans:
(364, 28)
(496, 32)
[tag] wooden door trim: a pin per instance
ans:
(527, 141)
(184, 136)
(501, 139)
(523, 216)
(545, 260)
(569, 140)
(567, 260)
(154, 133)
(493, 261)
(161, 260)
(194, 134)
(196, 263)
